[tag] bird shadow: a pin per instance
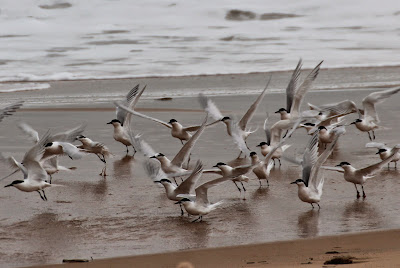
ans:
(362, 213)
(308, 223)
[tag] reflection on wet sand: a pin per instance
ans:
(260, 194)
(308, 223)
(362, 213)
(123, 167)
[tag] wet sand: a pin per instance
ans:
(126, 214)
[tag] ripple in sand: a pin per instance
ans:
(64, 49)
(241, 15)
(115, 42)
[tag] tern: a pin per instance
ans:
(273, 137)
(328, 134)
(173, 191)
(385, 152)
(35, 176)
(369, 121)
(97, 148)
(311, 184)
(209, 106)
(360, 176)
(334, 109)
(261, 170)
(10, 109)
(122, 123)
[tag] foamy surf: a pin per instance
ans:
(15, 87)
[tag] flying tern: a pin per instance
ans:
(122, 123)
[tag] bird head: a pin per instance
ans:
(162, 181)
(219, 164)
(173, 121)
(48, 144)
(261, 144)
(281, 110)
(343, 164)
(321, 128)
(356, 121)
(115, 122)
(253, 154)
(225, 118)
(14, 183)
(183, 200)
(298, 182)
(381, 151)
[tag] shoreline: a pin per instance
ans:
(313, 252)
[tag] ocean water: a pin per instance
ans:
(46, 40)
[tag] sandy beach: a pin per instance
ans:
(125, 214)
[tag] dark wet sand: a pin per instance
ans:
(126, 214)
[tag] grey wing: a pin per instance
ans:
(250, 112)
(14, 164)
(69, 135)
(373, 169)
(71, 150)
(29, 131)
(184, 152)
(35, 153)
(242, 170)
(378, 145)
(292, 86)
(188, 185)
(267, 130)
(343, 107)
(141, 115)
(201, 191)
(314, 177)
(210, 107)
(132, 105)
(10, 109)
(141, 145)
(309, 158)
(153, 170)
(302, 90)
(236, 133)
(213, 171)
(121, 114)
(191, 128)
(374, 98)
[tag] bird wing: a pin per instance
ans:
(141, 145)
(293, 83)
(10, 109)
(201, 191)
(316, 179)
(209, 106)
(213, 170)
(302, 90)
(153, 170)
(35, 171)
(373, 169)
(69, 135)
(242, 170)
(131, 105)
(236, 134)
(14, 164)
(29, 131)
(121, 114)
(191, 128)
(142, 115)
(267, 130)
(378, 145)
(310, 158)
(184, 152)
(374, 98)
(71, 150)
(250, 112)
(187, 185)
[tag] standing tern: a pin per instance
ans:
(35, 176)
(122, 123)
(369, 121)
(311, 184)
(173, 191)
(10, 109)
(261, 169)
(360, 176)
(385, 152)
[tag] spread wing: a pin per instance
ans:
(10, 109)
(153, 170)
(201, 191)
(267, 130)
(293, 83)
(141, 145)
(374, 98)
(69, 135)
(121, 114)
(29, 131)
(302, 90)
(378, 145)
(141, 115)
(373, 169)
(131, 105)
(310, 158)
(32, 158)
(250, 112)
(188, 185)
(210, 107)
(71, 150)
(184, 152)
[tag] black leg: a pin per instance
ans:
(176, 182)
(181, 141)
(373, 133)
(41, 196)
(312, 205)
(267, 183)
(274, 161)
(285, 134)
(259, 182)
(197, 219)
(369, 136)
(395, 165)
(358, 193)
(244, 189)
(50, 179)
(240, 190)
(127, 149)
(280, 164)
(134, 151)
(362, 187)
(44, 195)
(239, 154)
(318, 206)
(104, 158)
(181, 209)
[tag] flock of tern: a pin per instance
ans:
(324, 123)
